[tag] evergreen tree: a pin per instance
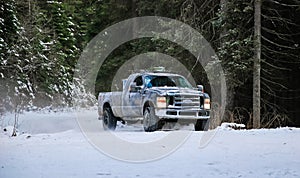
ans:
(63, 51)
(9, 32)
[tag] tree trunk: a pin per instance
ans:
(257, 66)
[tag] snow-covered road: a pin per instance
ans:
(52, 145)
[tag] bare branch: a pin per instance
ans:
(276, 44)
(283, 4)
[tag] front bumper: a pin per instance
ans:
(182, 114)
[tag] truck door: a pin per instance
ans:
(134, 98)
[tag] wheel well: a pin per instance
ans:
(147, 104)
(106, 105)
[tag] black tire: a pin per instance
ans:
(109, 120)
(151, 121)
(202, 125)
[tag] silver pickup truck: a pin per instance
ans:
(155, 98)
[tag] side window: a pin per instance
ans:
(148, 81)
(139, 81)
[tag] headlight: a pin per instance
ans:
(161, 102)
(207, 103)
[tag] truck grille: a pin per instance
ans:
(186, 101)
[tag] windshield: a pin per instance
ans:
(167, 81)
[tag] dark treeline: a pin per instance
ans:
(41, 41)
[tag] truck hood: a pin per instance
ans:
(175, 90)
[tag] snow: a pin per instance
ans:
(230, 126)
(51, 144)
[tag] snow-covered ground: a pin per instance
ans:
(52, 145)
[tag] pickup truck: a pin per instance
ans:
(155, 98)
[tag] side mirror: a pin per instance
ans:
(200, 88)
(134, 88)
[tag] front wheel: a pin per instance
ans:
(151, 121)
(109, 120)
(202, 125)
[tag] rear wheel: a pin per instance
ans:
(202, 125)
(151, 121)
(109, 120)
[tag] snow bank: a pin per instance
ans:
(230, 126)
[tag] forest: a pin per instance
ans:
(41, 42)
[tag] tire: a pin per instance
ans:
(202, 125)
(109, 120)
(151, 121)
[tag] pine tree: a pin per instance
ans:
(9, 32)
(63, 51)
